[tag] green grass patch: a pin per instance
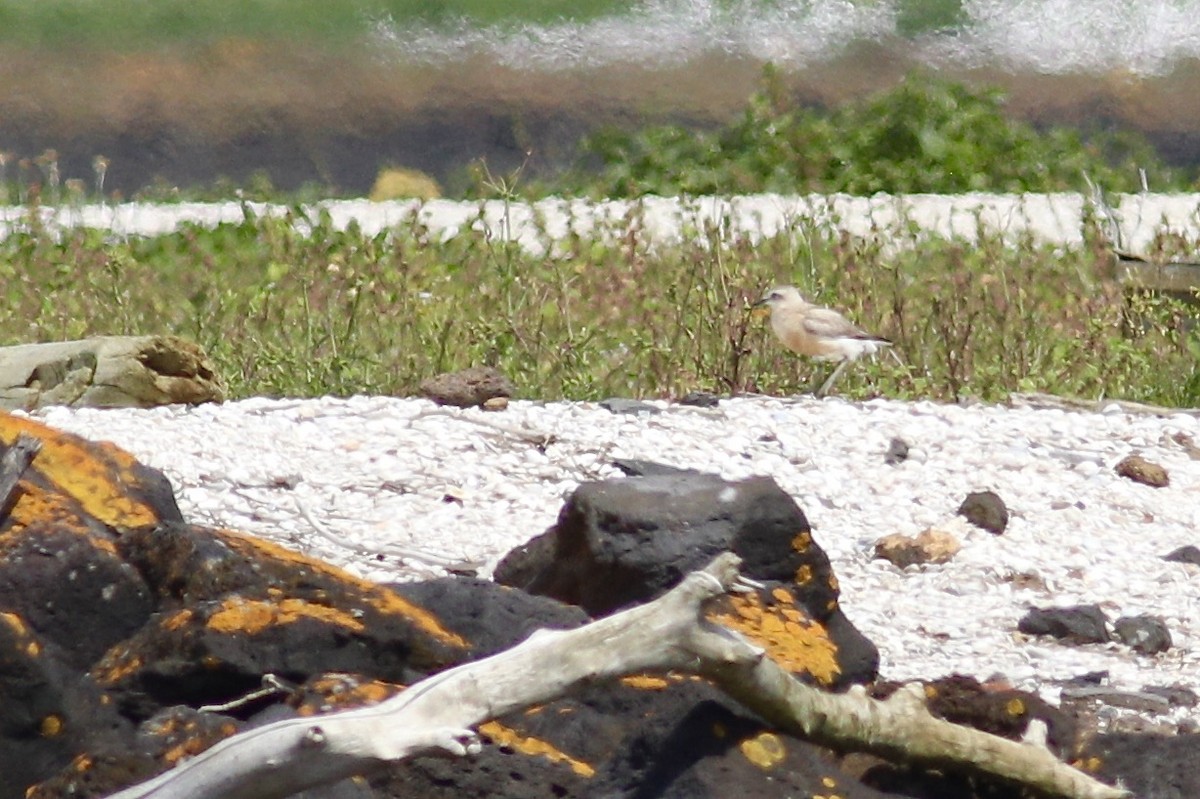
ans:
(328, 312)
(136, 24)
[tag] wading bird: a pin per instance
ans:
(820, 333)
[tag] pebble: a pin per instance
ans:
(337, 477)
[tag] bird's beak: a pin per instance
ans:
(760, 303)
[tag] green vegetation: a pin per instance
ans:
(136, 24)
(927, 135)
(285, 312)
(139, 25)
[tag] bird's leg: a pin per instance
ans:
(828, 384)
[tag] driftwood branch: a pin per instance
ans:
(437, 714)
(12, 467)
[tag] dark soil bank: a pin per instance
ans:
(237, 107)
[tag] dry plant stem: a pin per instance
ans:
(435, 715)
(899, 729)
(535, 437)
(12, 467)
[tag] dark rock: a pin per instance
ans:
(1140, 470)
(467, 388)
(632, 406)
(635, 467)
(1145, 634)
(1089, 678)
(1130, 700)
(1082, 624)
(662, 737)
(1148, 766)
(996, 709)
(90, 487)
(1176, 695)
(1185, 554)
(985, 509)
(489, 617)
(235, 607)
(620, 542)
(897, 452)
(700, 399)
(1000, 711)
(49, 712)
(72, 589)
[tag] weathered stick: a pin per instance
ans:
(12, 467)
(669, 633)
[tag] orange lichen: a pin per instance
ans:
(527, 745)
(252, 616)
(790, 636)
(803, 575)
(176, 620)
(802, 541)
(349, 689)
(117, 664)
(51, 726)
(765, 750)
(645, 682)
(1015, 707)
(96, 475)
(15, 622)
(379, 597)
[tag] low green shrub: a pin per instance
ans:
(925, 136)
(327, 311)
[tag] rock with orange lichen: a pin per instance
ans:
(74, 589)
(85, 486)
(624, 541)
(49, 712)
(233, 608)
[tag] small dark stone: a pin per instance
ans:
(622, 405)
(1176, 695)
(1140, 470)
(1145, 634)
(700, 399)
(635, 467)
(985, 509)
(897, 452)
(1081, 624)
(1130, 700)
(1185, 554)
(467, 388)
(1088, 678)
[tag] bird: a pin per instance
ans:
(817, 332)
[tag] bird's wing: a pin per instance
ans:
(828, 323)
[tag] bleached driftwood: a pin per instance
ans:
(107, 372)
(16, 460)
(437, 714)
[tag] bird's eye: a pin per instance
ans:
(775, 295)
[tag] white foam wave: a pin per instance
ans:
(658, 33)
(1046, 36)
(1075, 36)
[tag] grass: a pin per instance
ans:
(138, 25)
(336, 312)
